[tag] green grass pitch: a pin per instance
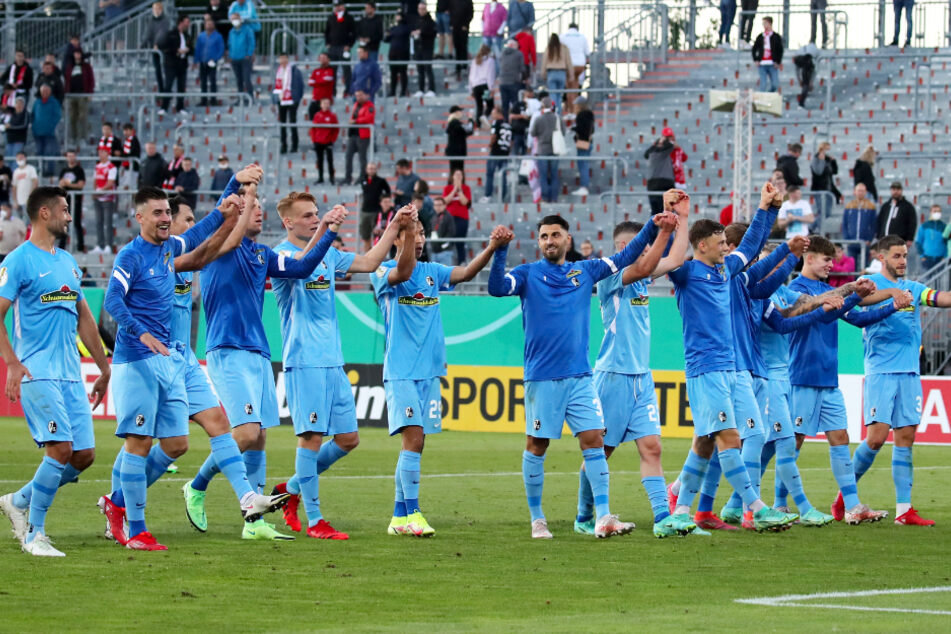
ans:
(481, 572)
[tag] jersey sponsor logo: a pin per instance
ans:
(320, 284)
(418, 300)
(409, 412)
(139, 420)
(640, 300)
(907, 309)
(572, 273)
(63, 294)
(51, 426)
(184, 288)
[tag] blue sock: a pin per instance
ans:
(306, 467)
(735, 472)
(70, 474)
(45, 482)
(781, 492)
(208, 470)
(293, 485)
(844, 475)
(585, 497)
(769, 450)
(533, 474)
(711, 483)
(133, 480)
(330, 452)
(863, 459)
(691, 478)
(399, 504)
(902, 472)
(596, 465)
(227, 457)
(255, 461)
(752, 454)
(657, 494)
(156, 464)
(788, 472)
(21, 498)
(117, 498)
(409, 479)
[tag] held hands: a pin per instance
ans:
(833, 302)
(15, 374)
(500, 236)
(154, 344)
(232, 206)
(798, 245)
(335, 217)
(770, 196)
(250, 174)
(864, 287)
(405, 217)
(677, 200)
(902, 299)
(666, 221)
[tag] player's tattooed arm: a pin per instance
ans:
(405, 218)
(499, 237)
(15, 370)
(89, 334)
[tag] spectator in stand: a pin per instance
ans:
(324, 139)
(287, 93)
(519, 122)
(405, 183)
(73, 178)
(526, 44)
(460, 16)
(366, 74)
(424, 204)
(500, 146)
(841, 266)
(221, 176)
(12, 231)
(241, 53)
(155, 33)
(47, 113)
(932, 246)
(584, 132)
(80, 80)
(677, 159)
(897, 216)
(494, 16)
(443, 29)
(587, 250)
(788, 164)
(109, 142)
(818, 12)
(25, 180)
(339, 36)
(946, 234)
(768, 54)
(111, 10)
(248, 12)
(444, 226)
(52, 78)
(580, 50)
(358, 139)
(747, 16)
(209, 49)
(174, 167)
(521, 16)
(219, 15)
(73, 46)
(6, 180)
(864, 173)
(899, 6)
(369, 30)
(779, 182)
(131, 152)
(16, 125)
(187, 182)
(105, 202)
(424, 39)
(727, 15)
(543, 130)
(512, 71)
(8, 99)
(154, 169)
(573, 255)
(399, 39)
(557, 69)
(383, 217)
(20, 75)
(177, 47)
(373, 188)
(824, 168)
(481, 83)
(660, 169)
(322, 82)
(859, 221)
(458, 130)
(458, 198)
(795, 215)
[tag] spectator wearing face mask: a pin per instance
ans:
(25, 180)
(12, 231)
(931, 243)
(241, 53)
(221, 176)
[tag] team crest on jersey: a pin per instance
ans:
(722, 417)
(799, 421)
(139, 420)
(51, 426)
(248, 408)
(750, 423)
(575, 282)
(409, 412)
(320, 284)
(64, 294)
(537, 424)
(313, 417)
(418, 299)
(430, 280)
(777, 426)
(259, 253)
(3, 276)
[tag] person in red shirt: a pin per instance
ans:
(678, 157)
(458, 199)
(106, 176)
(526, 44)
(358, 139)
(324, 138)
(322, 82)
(842, 265)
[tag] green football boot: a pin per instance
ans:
(767, 519)
(259, 529)
(672, 525)
(585, 528)
(815, 517)
(195, 507)
(731, 515)
(397, 526)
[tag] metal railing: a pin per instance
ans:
(45, 29)
(936, 322)
(127, 30)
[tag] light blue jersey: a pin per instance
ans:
(182, 311)
(892, 345)
(775, 346)
(625, 312)
(309, 312)
(415, 343)
(44, 290)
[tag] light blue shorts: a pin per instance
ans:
(320, 400)
(778, 421)
(58, 411)
(245, 384)
(629, 404)
(711, 402)
(749, 401)
(817, 409)
(150, 397)
(414, 403)
(201, 396)
(550, 404)
(893, 399)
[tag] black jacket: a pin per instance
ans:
(372, 30)
(398, 37)
(789, 165)
(342, 33)
(458, 132)
(220, 17)
(775, 45)
(169, 48)
(862, 173)
(54, 82)
(903, 222)
(460, 13)
(154, 171)
(584, 125)
(427, 32)
(373, 190)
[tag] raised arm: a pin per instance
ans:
(501, 235)
(758, 232)
(372, 259)
(678, 247)
(500, 282)
(89, 334)
(405, 261)
(600, 269)
(766, 287)
(212, 248)
(251, 174)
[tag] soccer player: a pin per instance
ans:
(41, 282)
(318, 391)
(893, 396)
(817, 404)
(407, 292)
(702, 287)
(621, 374)
(556, 309)
(232, 290)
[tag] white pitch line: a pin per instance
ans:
(797, 600)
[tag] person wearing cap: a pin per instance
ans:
(584, 130)
(512, 72)
(660, 169)
(543, 129)
(897, 216)
(221, 176)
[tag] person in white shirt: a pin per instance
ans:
(795, 215)
(12, 231)
(25, 180)
(580, 50)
